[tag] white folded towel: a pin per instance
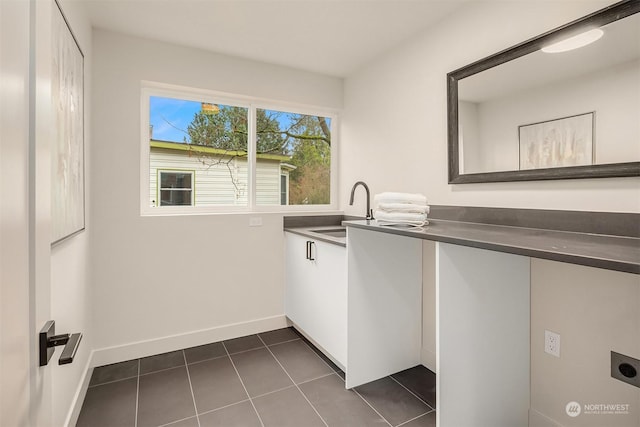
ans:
(393, 218)
(403, 207)
(391, 197)
(415, 224)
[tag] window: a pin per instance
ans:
(284, 190)
(305, 140)
(244, 155)
(176, 188)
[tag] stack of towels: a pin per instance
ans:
(401, 209)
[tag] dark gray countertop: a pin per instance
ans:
(594, 250)
(310, 233)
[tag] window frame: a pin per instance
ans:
(286, 186)
(159, 173)
(150, 89)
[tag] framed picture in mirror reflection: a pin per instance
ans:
(566, 141)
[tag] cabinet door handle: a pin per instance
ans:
(308, 254)
(311, 257)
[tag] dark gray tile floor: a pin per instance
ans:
(275, 379)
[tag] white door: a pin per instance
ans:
(25, 388)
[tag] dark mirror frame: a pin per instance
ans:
(602, 17)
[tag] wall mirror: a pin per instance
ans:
(529, 114)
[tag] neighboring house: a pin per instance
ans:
(184, 174)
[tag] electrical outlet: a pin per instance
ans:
(552, 343)
(255, 221)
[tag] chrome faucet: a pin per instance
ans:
(369, 214)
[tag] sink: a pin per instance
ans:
(333, 232)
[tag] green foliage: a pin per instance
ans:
(307, 139)
(310, 181)
(225, 129)
(269, 137)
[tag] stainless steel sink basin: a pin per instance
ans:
(333, 232)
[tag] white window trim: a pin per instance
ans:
(252, 103)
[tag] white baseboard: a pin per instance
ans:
(537, 419)
(78, 398)
(135, 350)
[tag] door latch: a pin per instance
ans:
(48, 340)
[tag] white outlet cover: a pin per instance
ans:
(255, 221)
(552, 343)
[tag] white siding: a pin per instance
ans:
(267, 182)
(213, 184)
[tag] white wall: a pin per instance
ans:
(614, 95)
(71, 303)
(394, 137)
(394, 125)
(157, 277)
(595, 312)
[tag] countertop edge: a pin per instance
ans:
(304, 231)
(575, 258)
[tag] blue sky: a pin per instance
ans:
(170, 118)
(167, 114)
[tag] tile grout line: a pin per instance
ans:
(371, 406)
(294, 383)
(415, 395)
(137, 393)
(159, 370)
(193, 397)
(274, 391)
(415, 418)
(225, 406)
(278, 343)
(243, 386)
(205, 360)
(354, 390)
(243, 351)
(317, 378)
(318, 356)
(114, 381)
(365, 400)
(266, 394)
(178, 421)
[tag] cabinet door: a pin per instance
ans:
(299, 290)
(316, 293)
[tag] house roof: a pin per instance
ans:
(180, 146)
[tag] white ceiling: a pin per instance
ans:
(333, 37)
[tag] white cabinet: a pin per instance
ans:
(316, 292)
(384, 318)
(483, 337)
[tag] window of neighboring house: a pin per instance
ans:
(284, 185)
(245, 157)
(176, 188)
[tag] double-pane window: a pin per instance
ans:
(236, 154)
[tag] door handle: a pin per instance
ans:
(48, 340)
